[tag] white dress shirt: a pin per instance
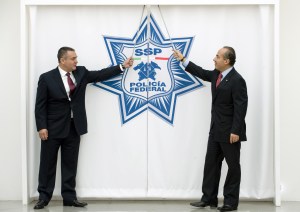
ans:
(65, 80)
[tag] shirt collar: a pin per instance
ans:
(63, 72)
(224, 73)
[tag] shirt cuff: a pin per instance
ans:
(121, 67)
(185, 63)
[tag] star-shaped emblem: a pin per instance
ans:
(156, 78)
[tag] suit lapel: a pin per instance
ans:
(227, 78)
(75, 74)
(213, 84)
(223, 83)
(78, 79)
(58, 80)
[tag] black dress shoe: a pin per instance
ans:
(40, 204)
(227, 208)
(75, 203)
(201, 204)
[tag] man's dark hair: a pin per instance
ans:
(63, 51)
(230, 55)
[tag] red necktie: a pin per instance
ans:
(219, 80)
(71, 84)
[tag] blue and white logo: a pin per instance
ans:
(156, 77)
(147, 70)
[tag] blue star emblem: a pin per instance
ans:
(156, 77)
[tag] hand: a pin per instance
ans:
(43, 133)
(234, 138)
(178, 55)
(128, 62)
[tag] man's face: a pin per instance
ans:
(221, 63)
(69, 61)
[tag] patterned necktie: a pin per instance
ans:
(219, 80)
(71, 84)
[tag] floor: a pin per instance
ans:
(144, 206)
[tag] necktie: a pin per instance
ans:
(71, 84)
(219, 80)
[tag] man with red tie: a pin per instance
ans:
(227, 128)
(61, 120)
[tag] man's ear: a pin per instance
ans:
(227, 61)
(61, 60)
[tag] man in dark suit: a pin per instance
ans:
(227, 128)
(61, 120)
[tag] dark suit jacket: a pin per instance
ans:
(53, 108)
(229, 103)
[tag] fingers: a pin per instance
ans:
(234, 138)
(130, 61)
(43, 134)
(177, 54)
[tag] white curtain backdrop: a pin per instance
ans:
(148, 158)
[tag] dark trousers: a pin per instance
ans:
(216, 152)
(48, 161)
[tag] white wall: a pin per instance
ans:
(290, 99)
(10, 151)
(10, 144)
